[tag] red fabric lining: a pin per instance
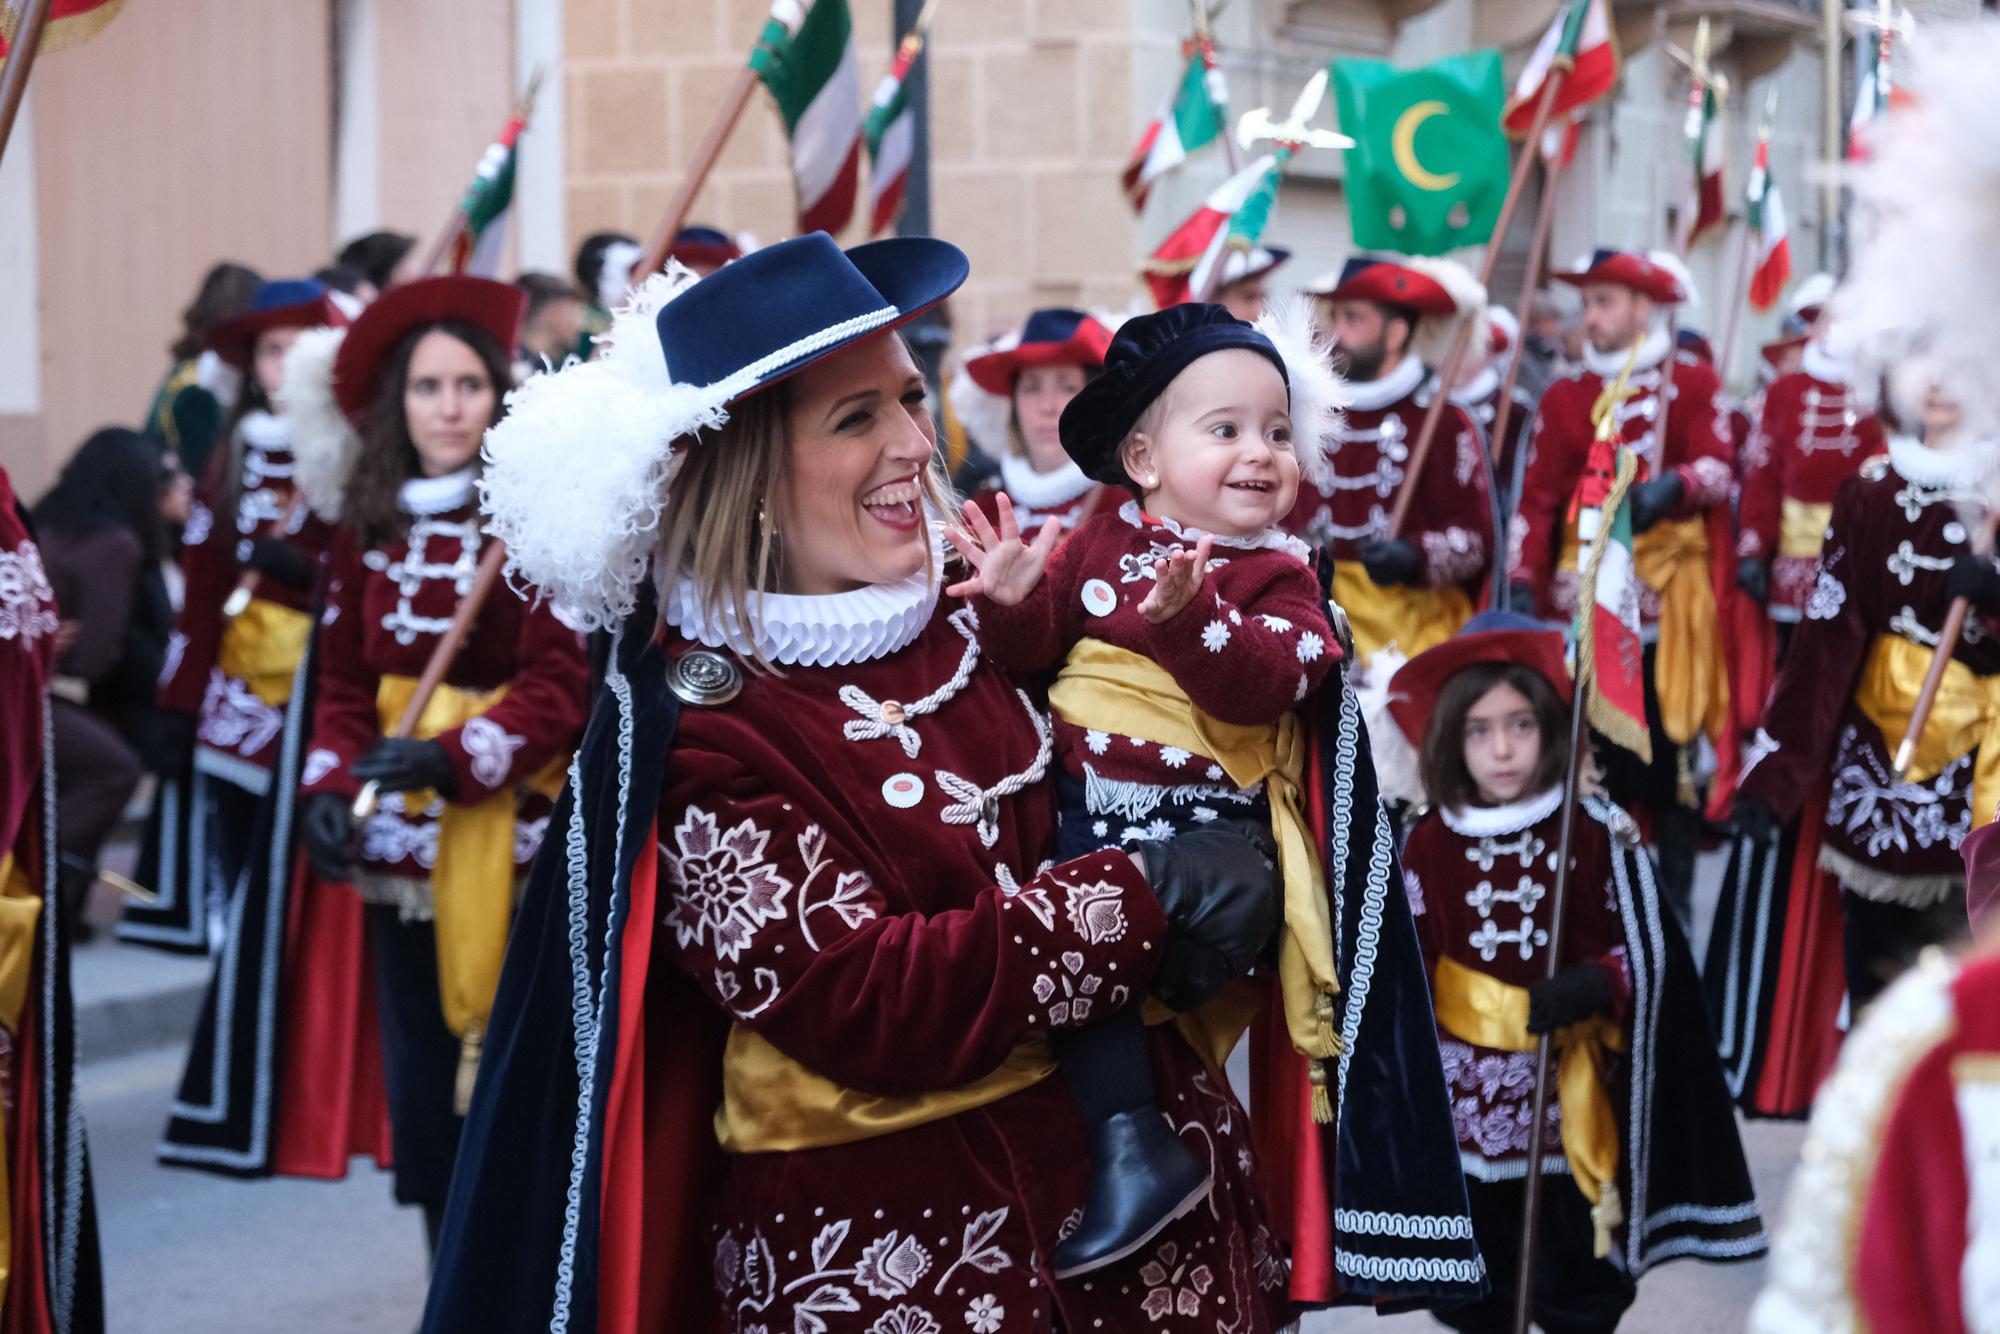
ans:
(1804, 1032)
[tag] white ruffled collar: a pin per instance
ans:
(1819, 362)
(1478, 389)
(1041, 490)
(1499, 821)
(1607, 364)
(265, 430)
(823, 630)
(439, 495)
(1374, 395)
(1273, 538)
(1966, 468)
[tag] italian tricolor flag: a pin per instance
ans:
(1876, 97)
(892, 136)
(1705, 145)
(1610, 656)
(1191, 119)
(1768, 234)
(1580, 44)
(1233, 215)
(476, 248)
(806, 58)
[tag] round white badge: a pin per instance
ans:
(903, 791)
(1099, 598)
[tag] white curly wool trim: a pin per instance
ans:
(1674, 264)
(1927, 203)
(1319, 396)
(1431, 340)
(985, 417)
(324, 444)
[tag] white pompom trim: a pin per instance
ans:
(324, 443)
(1319, 396)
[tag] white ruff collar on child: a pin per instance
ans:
(1499, 821)
(824, 630)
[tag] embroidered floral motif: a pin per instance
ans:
(1173, 756)
(1099, 742)
(1173, 1286)
(849, 897)
(1880, 814)
(1215, 636)
(319, 764)
(1096, 912)
(1275, 624)
(1828, 595)
(906, 1320)
(1077, 987)
(985, 1314)
(725, 887)
(1310, 647)
(490, 747)
(233, 717)
(27, 602)
(1413, 889)
(1454, 555)
(891, 1265)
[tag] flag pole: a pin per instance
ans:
(20, 64)
(710, 148)
(1738, 293)
(1531, 280)
(1462, 339)
(427, 264)
(1941, 657)
(1205, 44)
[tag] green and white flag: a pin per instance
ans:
(488, 200)
(806, 58)
(1191, 119)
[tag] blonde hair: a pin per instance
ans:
(720, 528)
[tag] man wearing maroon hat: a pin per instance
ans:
(1414, 589)
(1675, 421)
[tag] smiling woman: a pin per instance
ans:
(836, 942)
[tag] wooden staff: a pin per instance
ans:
(1503, 412)
(1954, 626)
(710, 148)
(246, 585)
(1738, 296)
(1462, 339)
(27, 40)
(440, 246)
(443, 654)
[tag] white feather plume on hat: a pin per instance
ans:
(1924, 280)
(1682, 274)
(324, 443)
(1431, 339)
(1319, 395)
(577, 472)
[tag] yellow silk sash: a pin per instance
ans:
(1802, 528)
(1412, 619)
(1112, 689)
(1477, 1008)
(1689, 672)
(472, 883)
(1966, 716)
(261, 647)
(20, 913)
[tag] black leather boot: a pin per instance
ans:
(1141, 1179)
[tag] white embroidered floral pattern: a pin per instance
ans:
(233, 717)
(725, 890)
(319, 764)
(1828, 595)
(27, 602)
(1215, 636)
(1066, 977)
(986, 1314)
(1310, 647)
(1096, 912)
(490, 747)
(1275, 624)
(849, 899)
(1099, 742)
(1173, 1286)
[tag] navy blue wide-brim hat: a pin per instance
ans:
(777, 310)
(281, 303)
(1143, 359)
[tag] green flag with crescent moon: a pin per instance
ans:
(1429, 165)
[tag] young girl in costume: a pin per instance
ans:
(1188, 628)
(1489, 710)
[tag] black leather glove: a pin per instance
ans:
(1974, 579)
(1577, 993)
(1390, 561)
(396, 764)
(1521, 597)
(1655, 500)
(279, 561)
(326, 827)
(1753, 573)
(1218, 885)
(1753, 819)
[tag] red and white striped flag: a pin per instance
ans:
(1765, 215)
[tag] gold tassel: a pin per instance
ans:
(1322, 1102)
(1606, 1214)
(468, 1071)
(1329, 1041)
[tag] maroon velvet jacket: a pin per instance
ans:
(234, 723)
(1251, 643)
(872, 899)
(386, 608)
(1451, 521)
(1813, 435)
(1697, 448)
(1480, 882)
(1895, 532)
(28, 624)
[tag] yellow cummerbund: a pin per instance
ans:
(261, 647)
(1963, 718)
(1411, 619)
(1802, 528)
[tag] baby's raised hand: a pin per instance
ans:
(1004, 568)
(1177, 579)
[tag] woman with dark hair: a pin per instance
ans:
(102, 540)
(189, 406)
(1010, 395)
(251, 557)
(389, 419)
